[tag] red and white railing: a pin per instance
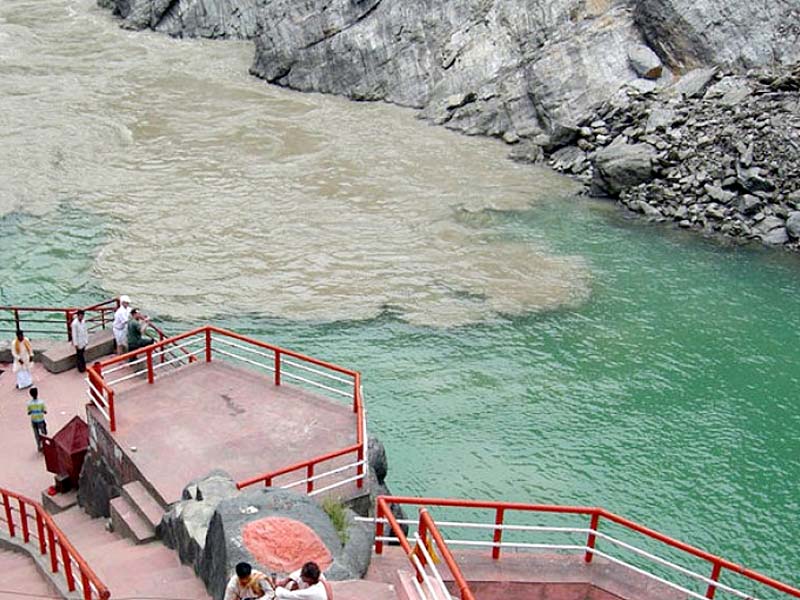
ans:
(628, 554)
(28, 523)
(55, 322)
(207, 343)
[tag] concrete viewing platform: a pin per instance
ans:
(216, 415)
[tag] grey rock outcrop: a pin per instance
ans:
(622, 165)
(224, 547)
(185, 525)
(188, 18)
(733, 34)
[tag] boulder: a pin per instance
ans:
(793, 225)
(645, 62)
(620, 166)
(275, 530)
(185, 525)
(694, 83)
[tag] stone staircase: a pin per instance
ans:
(135, 514)
(129, 569)
(19, 576)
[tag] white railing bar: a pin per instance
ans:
(418, 588)
(425, 577)
(386, 538)
(180, 357)
(99, 407)
(286, 361)
(354, 465)
(250, 349)
(173, 346)
(671, 565)
(316, 384)
(321, 475)
(94, 389)
(243, 359)
(121, 365)
(515, 545)
(489, 526)
(650, 575)
(121, 379)
(422, 546)
(335, 485)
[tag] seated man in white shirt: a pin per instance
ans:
(246, 583)
(307, 583)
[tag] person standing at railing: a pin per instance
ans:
(36, 411)
(137, 325)
(22, 353)
(120, 326)
(80, 339)
(307, 583)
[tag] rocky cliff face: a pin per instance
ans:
(514, 69)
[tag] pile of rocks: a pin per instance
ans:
(714, 151)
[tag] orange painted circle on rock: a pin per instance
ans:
(284, 545)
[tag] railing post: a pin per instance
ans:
(67, 566)
(68, 315)
(23, 515)
(87, 590)
(590, 541)
(309, 475)
(9, 516)
(378, 530)
(498, 533)
(51, 544)
(268, 482)
(277, 367)
(360, 469)
(40, 532)
(208, 345)
(422, 531)
(356, 389)
(150, 374)
(112, 419)
(16, 319)
(715, 572)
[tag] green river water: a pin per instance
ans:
(667, 392)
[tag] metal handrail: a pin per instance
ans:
(51, 541)
(101, 392)
(63, 316)
(718, 564)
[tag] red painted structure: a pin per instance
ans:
(383, 511)
(23, 516)
(102, 393)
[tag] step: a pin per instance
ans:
(360, 589)
(143, 502)
(127, 522)
(20, 576)
(58, 503)
(60, 356)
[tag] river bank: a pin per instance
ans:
(717, 152)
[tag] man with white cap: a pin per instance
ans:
(120, 326)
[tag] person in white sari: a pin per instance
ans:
(22, 351)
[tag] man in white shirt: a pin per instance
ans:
(246, 584)
(307, 583)
(120, 326)
(80, 339)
